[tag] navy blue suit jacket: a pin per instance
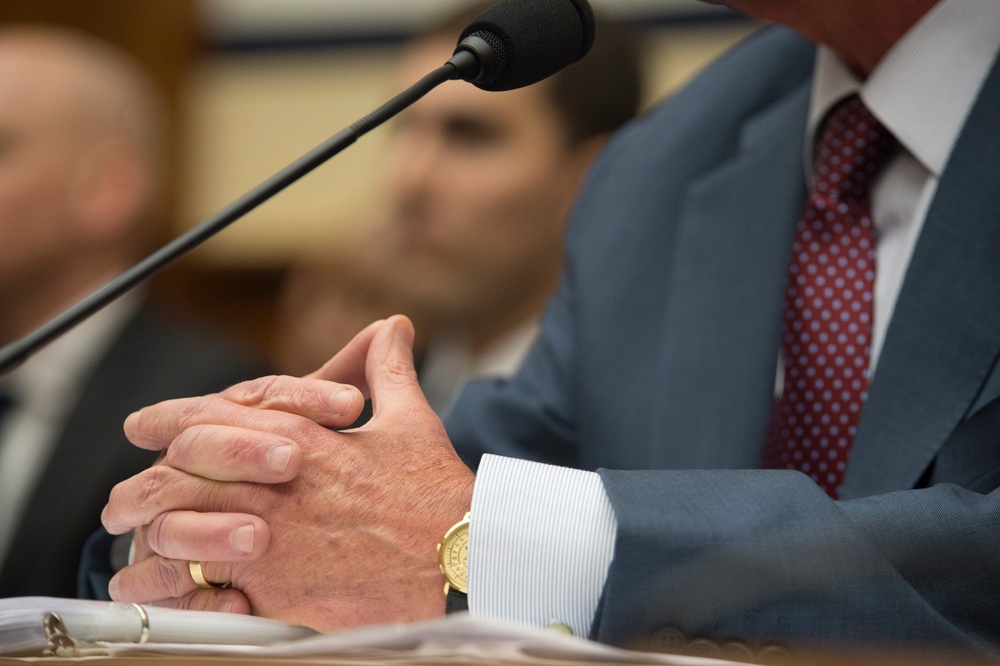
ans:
(656, 366)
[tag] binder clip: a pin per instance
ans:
(60, 642)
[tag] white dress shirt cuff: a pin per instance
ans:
(541, 539)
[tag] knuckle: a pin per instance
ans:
(399, 371)
(400, 367)
(150, 487)
(242, 449)
(236, 446)
(311, 397)
(306, 434)
(147, 497)
(193, 409)
(254, 391)
(133, 502)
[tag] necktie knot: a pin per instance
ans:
(853, 147)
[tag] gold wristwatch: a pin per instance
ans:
(453, 559)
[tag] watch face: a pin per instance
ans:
(455, 557)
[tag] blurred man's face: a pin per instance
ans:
(481, 184)
(37, 153)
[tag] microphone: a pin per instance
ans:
(520, 42)
(513, 44)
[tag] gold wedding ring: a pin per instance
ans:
(194, 566)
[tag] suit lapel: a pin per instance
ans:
(722, 333)
(945, 332)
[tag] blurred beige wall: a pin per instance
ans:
(250, 114)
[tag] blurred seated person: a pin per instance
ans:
(480, 186)
(80, 128)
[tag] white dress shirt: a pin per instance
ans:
(538, 560)
(450, 362)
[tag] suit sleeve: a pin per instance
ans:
(765, 557)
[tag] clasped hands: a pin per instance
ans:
(302, 522)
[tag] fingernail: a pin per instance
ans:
(278, 457)
(227, 607)
(341, 401)
(242, 539)
(114, 588)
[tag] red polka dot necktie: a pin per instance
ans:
(826, 344)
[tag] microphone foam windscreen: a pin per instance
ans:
(538, 38)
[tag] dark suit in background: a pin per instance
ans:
(659, 353)
(153, 359)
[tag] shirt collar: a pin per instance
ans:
(925, 86)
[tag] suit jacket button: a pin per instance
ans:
(775, 654)
(667, 639)
(559, 628)
(737, 651)
(703, 648)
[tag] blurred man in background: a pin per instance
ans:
(480, 186)
(80, 128)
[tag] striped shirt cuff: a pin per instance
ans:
(541, 539)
